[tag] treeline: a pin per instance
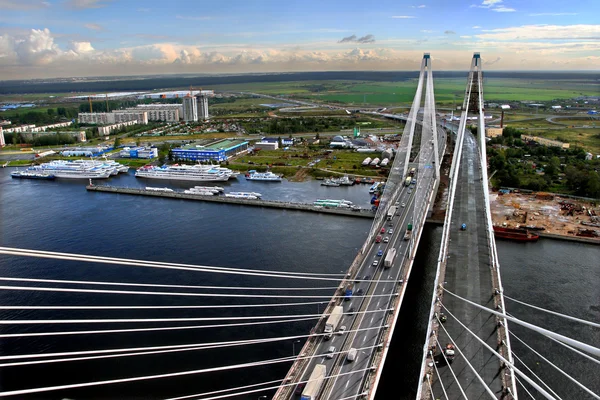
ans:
(40, 140)
(50, 116)
(283, 126)
(518, 164)
(100, 106)
(150, 83)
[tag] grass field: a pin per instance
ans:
(588, 139)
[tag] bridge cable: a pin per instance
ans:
(439, 377)
(537, 376)
(192, 294)
(450, 367)
(135, 320)
(523, 386)
(154, 349)
(575, 343)
(583, 321)
(168, 328)
(163, 285)
(485, 386)
(508, 363)
(211, 306)
(581, 386)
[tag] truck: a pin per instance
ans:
(315, 383)
(391, 212)
(389, 258)
(408, 232)
(407, 181)
(412, 172)
(348, 294)
(333, 321)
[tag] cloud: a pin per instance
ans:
(94, 27)
(83, 4)
(551, 14)
(466, 37)
(403, 16)
(449, 33)
(503, 9)
(476, 27)
(421, 6)
(192, 18)
(22, 5)
(354, 39)
(547, 32)
(427, 31)
(488, 63)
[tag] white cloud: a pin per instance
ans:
(403, 16)
(94, 27)
(83, 4)
(548, 32)
(37, 48)
(422, 6)
(551, 14)
(81, 47)
(476, 27)
(22, 5)
(503, 9)
(427, 31)
(466, 37)
(194, 18)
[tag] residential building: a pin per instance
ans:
(202, 102)
(96, 118)
(162, 112)
(190, 109)
(108, 129)
(493, 132)
(545, 142)
(127, 115)
(114, 117)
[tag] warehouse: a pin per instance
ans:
(218, 151)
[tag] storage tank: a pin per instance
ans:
(375, 161)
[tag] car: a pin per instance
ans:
(378, 239)
(379, 253)
(386, 239)
(403, 204)
(300, 388)
(382, 230)
(375, 263)
(358, 293)
(409, 191)
(463, 227)
(397, 204)
(342, 330)
(351, 356)
(366, 277)
(391, 223)
(390, 231)
(351, 311)
(330, 352)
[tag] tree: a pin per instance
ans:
(117, 142)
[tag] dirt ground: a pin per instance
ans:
(558, 215)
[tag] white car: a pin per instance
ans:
(403, 204)
(330, 352)
(342, 330)
(375, 263)
(386, 239)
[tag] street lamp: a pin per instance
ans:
(294, 346)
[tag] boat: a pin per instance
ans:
(70, 170)
(374, 188)
(245, 194)
(330, 182)
(268, 176)
(159, 189)
(199, 192)
(213, 189)
(198, 173)
(517, 234)
(345, 181)
(32, 175)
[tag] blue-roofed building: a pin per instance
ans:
(218, 151)
(284, 141)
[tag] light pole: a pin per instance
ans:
(294, 346)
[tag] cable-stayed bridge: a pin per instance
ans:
(468, 271)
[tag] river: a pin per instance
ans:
(63, 216)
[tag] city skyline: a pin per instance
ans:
(63, 38)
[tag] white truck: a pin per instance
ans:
(389, 258)
(333, 321)
(391, 212)
(315, 383)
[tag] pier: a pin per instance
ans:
(363, 213)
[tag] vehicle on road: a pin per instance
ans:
(379, 253)
(463, 227)
(315, 383)
(378, 239)
(390, 231)
(348, 293)
(382, 230)
(300, 388)
(375, 263)
(333, 321)
(391, 212)
(403, 204)
(359, 292)
(367, 277)
(412, 171)
(351, 356)
(409, 191)
(342, 330)
(389, 258)
(351, 311)
(386, 239)
(330, 352)
(397, 204)
(408, 232)
(407, 181)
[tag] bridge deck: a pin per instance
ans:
(468, 274)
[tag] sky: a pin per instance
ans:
(75, 38)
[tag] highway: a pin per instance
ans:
(468, 275)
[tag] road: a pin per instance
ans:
(468, 274)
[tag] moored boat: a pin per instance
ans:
(268, 176)
(31, 175)
(517, 234)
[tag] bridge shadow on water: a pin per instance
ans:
(400, 375)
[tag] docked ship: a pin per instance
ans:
(113, 166)
(31, 175)
(70, 170)
(200, 192)
(268, 176)
(244, 195)
(517, 234)
(330, 182)
(214, 189)
(159, 189)
(198, 173)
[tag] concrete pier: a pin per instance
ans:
(363, 213)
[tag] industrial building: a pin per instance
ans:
(85, 151)
(190, 109)
(266, 145)
(284, 141)
(218, 151)
(174, 94)
(493, 132)
(139, 152)
(545, 142)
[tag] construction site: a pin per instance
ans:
(548, 214)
